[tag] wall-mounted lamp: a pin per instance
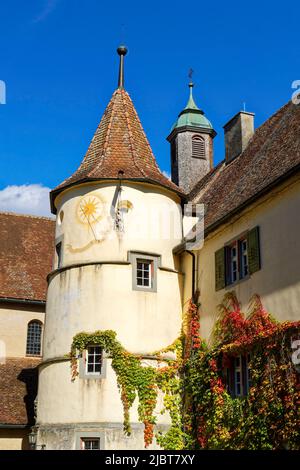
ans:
(32, 440)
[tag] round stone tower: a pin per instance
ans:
(118, 219)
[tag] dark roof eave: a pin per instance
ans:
(55, 192)
(204, 130)
(15, 426)
(16, 300)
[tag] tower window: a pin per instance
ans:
(198, 147)
(90, 444)
(93, 360)
(34, 336)
(144, 271)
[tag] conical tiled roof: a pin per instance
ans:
(119, 144)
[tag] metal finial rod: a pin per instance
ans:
(122, 51)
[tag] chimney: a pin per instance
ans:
(238, 131)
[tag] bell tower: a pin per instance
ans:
(191, 141)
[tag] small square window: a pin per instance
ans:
(92, 363)
(90, 443)
(93, 360)
(144, 271)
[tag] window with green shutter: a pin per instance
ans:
(253, 250)
(220, 268)
(237, 260)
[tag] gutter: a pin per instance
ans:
(12, 300)
(15, 426)
(193, 272)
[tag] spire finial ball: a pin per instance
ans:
(122, 50)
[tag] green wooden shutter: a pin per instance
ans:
(253, 250)
(220, 268)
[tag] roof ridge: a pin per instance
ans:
(145, 136)
(130, 135)
(109, 126)
(32, 216)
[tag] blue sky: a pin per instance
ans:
(60, 67)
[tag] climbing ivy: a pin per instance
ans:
(269, 416)
(203, 413)
(135, 380)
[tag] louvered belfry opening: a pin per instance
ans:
(198, 147)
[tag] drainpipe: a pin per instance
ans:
(193, 273)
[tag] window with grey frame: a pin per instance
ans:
(89, 443)
(144, 271)
(92, 439)
(34, 338)
(92, 363)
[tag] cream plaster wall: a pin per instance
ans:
(14, 319)
(14, 439)
(153, 224)
(278, 281)
(101, 296)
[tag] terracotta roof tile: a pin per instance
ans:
(18, 389)
(26, 251)
(272, 153)
(119, 143)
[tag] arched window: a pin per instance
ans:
(198, 147)
(34, 336)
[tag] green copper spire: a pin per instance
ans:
(191, 115)
(191, 103)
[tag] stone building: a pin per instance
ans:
(124, 261)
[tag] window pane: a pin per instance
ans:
(91, 444)
(143, 273)
(34, 333)
(94, 360)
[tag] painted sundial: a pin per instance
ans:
(89, 209)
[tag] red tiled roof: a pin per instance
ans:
(272, 153)
(18, 389)
(26, 251)
(119, 143)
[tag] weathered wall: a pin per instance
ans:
(100, 297)
(278, 281)
(14, 319)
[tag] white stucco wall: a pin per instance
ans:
(14, 319)
(100, 296)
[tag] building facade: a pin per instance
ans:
(122, 261)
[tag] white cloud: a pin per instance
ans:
(166, 174)
(25, 199)
(48, 8)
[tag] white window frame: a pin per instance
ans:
(243, 258)
(143, 278)
(94, 363)
(83, 365)
(234, 259)
(89, 439)
(81, 435)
